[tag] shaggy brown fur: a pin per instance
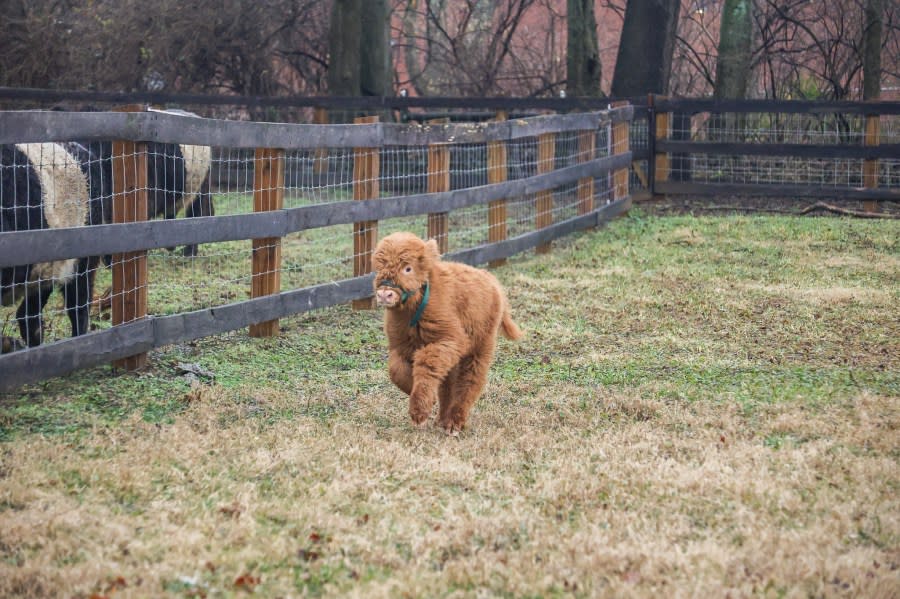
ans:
(447, 354)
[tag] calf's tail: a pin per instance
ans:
(510, 329)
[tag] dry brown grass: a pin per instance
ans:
(729, 452)
(631, 497)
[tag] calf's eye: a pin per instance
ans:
(408, 270)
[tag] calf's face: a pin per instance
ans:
(402, 264)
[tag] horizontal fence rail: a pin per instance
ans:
(274, 224)
(25, 126)
(706, 147)
(362, 103)
(662, 104)
(54, 244)
(95, 349)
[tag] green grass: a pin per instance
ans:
(676, 307)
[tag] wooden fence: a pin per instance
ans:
(792, 135)
(126, 344)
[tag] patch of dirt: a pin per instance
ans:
(702, 205)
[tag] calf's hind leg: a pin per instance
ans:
(446, 393)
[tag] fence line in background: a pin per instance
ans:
(128, 342)
(695, 147)
(872, 179)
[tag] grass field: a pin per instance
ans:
(702, 407)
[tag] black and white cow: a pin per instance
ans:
(177, 178)
(45, 186)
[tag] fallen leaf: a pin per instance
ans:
(115, 583)
(232, 511)
(308, 555)
(246, 581)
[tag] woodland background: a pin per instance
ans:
(804, 49)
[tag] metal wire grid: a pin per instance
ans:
(829, 129)
(220, 273)
(639, 139)
(793, 128)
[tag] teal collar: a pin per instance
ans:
(421, 309)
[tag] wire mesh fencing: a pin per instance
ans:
(122, 182)
(804, 149)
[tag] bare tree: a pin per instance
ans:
(735, 49)
(239, 47)
(800, 49)
(583, 68)
(644, 61)
(872, 49)
(478, 47)
(343, 48)
(696, 48)
(816, 49)
(375, 54)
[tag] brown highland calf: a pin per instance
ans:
(441, 323)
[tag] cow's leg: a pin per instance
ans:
(201, 205)
(470, 382)
(29, 315)
(77, 293)
(431, 365)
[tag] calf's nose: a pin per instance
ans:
(385, 296)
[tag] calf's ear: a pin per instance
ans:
(431, 247)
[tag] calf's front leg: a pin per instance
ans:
(400, 370)
(431, 364)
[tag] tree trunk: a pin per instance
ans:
(872, 49)
(582, 54)
(344, 46)
(644, 61)
(375, 55)
(735, 49)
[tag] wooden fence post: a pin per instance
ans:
(497, 173)
(268, 194)
(620, 145)
(870, 167)
(439, 180)
(544, 199)
(661, 160)
(366, 170)
(587, 149)
(129, 269)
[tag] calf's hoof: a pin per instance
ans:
(419, 408)
(452, 428)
